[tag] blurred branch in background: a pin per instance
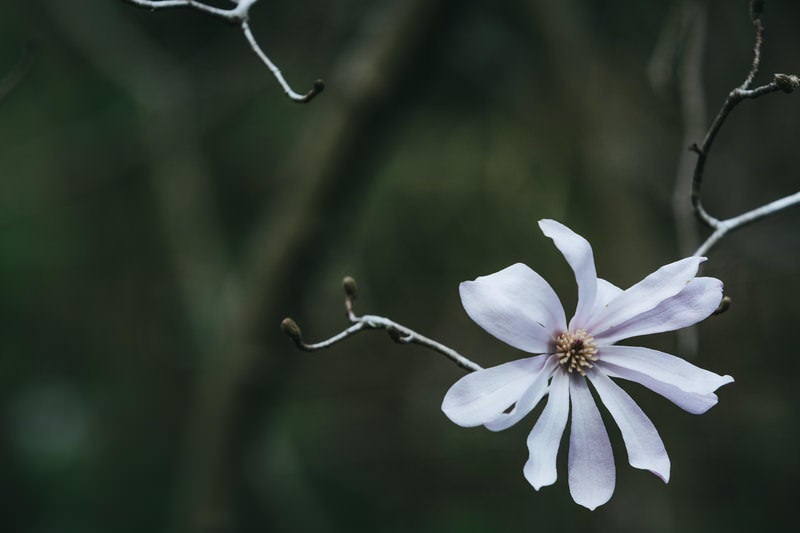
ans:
(398, 333)
(780, 82)
(679, 53)
(238, 15)
(15, 76)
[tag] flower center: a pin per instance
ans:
(576, 351)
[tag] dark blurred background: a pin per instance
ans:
(164, 206)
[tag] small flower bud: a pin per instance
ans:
(290, 328)
(350, 287)
(724, 305)
(787, 83)
(757, 9)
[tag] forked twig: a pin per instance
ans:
(240, 14)
(399, 333)
(786, 83)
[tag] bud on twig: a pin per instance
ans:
(787, 82)
(724, 305)
(757, 9)
(290, 328)
(350, 287)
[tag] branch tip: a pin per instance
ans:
(292, 330)
(350, 287)
(787, 82)
(317, 88)
(757, 9)
(724, 305)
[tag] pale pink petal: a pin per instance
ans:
(694, 303)
(591, 461)
(529, 399)
(545, 438)
(606, 291)
(578, 253)
(517, 306)
(693, 402)
(645, 448)
(664, 283)
(664, 367)
(479, 397)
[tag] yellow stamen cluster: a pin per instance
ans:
(576, 351)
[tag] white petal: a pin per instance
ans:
(545, 438)
(481, 396)
(578, 253)
(606, 291)
(517, 306)
(591, 462)
(645, 448)
(693, 402)
(694, 303)
(664, 367)
(529, 399)
(664, 283)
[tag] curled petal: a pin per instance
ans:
(545, 438)
(644, 445)
(591, 461)
(665, 368)
(664, 283)
(694, 303)
(529, 399)
(480, 397)
(578, 253)
(517, 306)
(696, 403)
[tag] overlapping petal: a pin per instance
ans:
(591, 462)
(645, 447)
(517, 306)
(662, 284)
(606, 291)
(665, 368)
(529, 399)
(578, 253)
(699, 298)
(693, 402)
(482, 396)
(545, 438)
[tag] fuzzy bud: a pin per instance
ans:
(350, 287)
(724, 305)
(290, 328)
(787, 82)
(757, 9)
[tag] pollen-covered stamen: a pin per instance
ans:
(576, 351)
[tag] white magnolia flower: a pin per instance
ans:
(519, 307)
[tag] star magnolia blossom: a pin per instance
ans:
(519, 307)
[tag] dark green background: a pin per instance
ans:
(144, 382)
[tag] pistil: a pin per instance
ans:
(576, 351)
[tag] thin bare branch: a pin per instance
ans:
(240, 14)
(399, 333)
(319, 85)
(786, 83)
(726, 226)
